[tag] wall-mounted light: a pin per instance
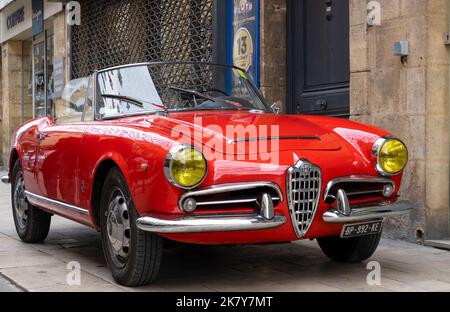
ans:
(401, 48)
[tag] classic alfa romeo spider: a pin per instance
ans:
(192, 152)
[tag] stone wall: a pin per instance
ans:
(408, 98)
(273, 50)
(11, 92)
(60, 43)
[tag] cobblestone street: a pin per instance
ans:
(289, 267)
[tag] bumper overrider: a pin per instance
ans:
(266, 219)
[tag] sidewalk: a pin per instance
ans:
(289, 267)
(7, 286)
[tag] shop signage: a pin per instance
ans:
(58, 76)
(19, 17)
(38, 16)
(15, 18)
(244, 43)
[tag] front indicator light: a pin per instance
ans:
(185, 167)
(392, 156)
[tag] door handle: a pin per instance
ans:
(41, 136)
(329, 11)
(323, 104)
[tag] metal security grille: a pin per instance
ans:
(304, 184)
(117, 32)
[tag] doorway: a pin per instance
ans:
(318, 57)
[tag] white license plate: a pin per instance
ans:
(362, 229)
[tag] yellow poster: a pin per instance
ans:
(243, 49)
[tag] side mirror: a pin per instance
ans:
(276, 107)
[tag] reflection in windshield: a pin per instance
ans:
(150, 88)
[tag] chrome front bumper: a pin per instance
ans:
(381, 211)
(165, 224)
(5, 180)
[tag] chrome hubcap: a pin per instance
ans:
(20, 204)
(118, 228)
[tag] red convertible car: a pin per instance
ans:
(192, 152)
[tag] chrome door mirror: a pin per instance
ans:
(276, 107)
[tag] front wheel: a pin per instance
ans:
(349, 250)
(133, 256)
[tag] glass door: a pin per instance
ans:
(39, 80)
(49, 77)
(43, 95)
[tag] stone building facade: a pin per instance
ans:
(408, 95)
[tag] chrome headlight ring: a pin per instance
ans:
(376, 149)
(169, 161)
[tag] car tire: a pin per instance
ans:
(32, 224)
(349, 250)
(133, 256)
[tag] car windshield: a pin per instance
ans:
(174, 87)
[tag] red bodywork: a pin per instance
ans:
(63, 166)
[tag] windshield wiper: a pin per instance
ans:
(137, 102)
(193, 92)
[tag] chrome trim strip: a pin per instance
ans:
(224, 188)
(230, 202)
(6, 180)
(369, 213)
(168, 63)
(355, 179)
(168, 165)
(376, 153)
(278, 138)
(207, 224)
(50, 203)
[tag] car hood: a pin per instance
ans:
(220, 130)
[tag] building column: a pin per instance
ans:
(11, 77)
(273, 50)
(60, 42)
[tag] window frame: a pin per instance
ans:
(83, 106)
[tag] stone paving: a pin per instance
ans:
(290, 267)
(6, 286)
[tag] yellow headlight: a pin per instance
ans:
(392, 156)
(186, 167)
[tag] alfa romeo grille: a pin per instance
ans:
(303, 191)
